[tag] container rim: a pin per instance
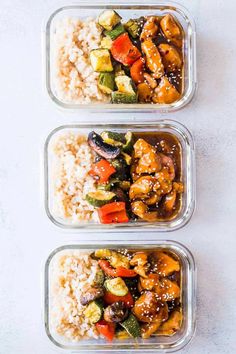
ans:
(117, 108)
(176, 246)
(158, 227)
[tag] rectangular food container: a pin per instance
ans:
(153, 344)
(84, 10)
(187, 176)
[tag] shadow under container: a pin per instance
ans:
(84, 10)
(187, 176)
(160, 344)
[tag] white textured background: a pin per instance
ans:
(27, 235)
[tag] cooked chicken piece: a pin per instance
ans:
(171, 30)
(153, 58)
(170, 200)
(139, 258)
(140, 209)
(170, 57)
(148, 329)
(150, 28)
(149, 159)
(149, 283)
(154, 198)
(150, 80)
(142, 187)
(178, 187)
(166, 290)
(148, 309)
(165, 92)
(172, 325)
(144, 92)
(163, 264)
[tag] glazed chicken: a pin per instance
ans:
(171, 30)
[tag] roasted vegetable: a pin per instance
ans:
(165, 93)
(172, 325)
(120, 97)
(108, 19)
(171, 30)
(149, 309)
(115, 32)
(101, 60)
(137, 71)
(118, 272)
(153, 58)
(125, 84)
(124, 51)
(103, 149)
(106, 329)
(106, 43)
(106, 82)
(110, 298)
(90, 294)
(102, 170)
(100, 198)
(94, 311)
(128, 147)
(116, 286)
(115, 259)
(116, 312)
(134, 26)
(163, 264)
(99, 278)
(113, 213)
(170, 57)
(113, 138)
(132, 326)
(127, 158)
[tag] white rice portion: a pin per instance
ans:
(71, 271)
(72, 161)
(73, 77)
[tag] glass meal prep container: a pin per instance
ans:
(54, 203)
(170, 343)
(84, 10)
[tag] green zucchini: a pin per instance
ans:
(116, 259)
(100, 198)
(132, 326)
(125, 185)
(94, 311)
(99, 278)
(108, 19)
(127, 157)
(115, 32)
(125, 84)
(101, 60)
(128, 147)
(113, 138)
(118, 70)
(121, 97)
(106, 42)
(106, 82)
(116, 286)
(122, 334)
(104, 186)
(134, 27)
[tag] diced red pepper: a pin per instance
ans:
(102, 170)
(137, 71)
(113, 213)
(124, 51)
(116, 272)
(128, 300)
(106, 329)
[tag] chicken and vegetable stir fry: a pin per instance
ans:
(140, 60)
(137, 175)
(137, 294)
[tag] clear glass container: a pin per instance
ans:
(187, 176)
(153, 344)
(85, 9)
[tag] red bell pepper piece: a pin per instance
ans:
(128, 300)
(137, 71)
(106, 329)
(102, 170)
(116, 272)
(113, 213)
(124, 51)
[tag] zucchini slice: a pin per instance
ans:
(101, 60)
(121, 97)
(115, 32)
(127, 157)
(94, 311)
(106, 82)
(100, 198)
(108, 19)
(125, 84)
(113, 138)
(116, 286)
(132, 326)
(106, 43)
(128, 147)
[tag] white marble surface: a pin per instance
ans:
(27, 235)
